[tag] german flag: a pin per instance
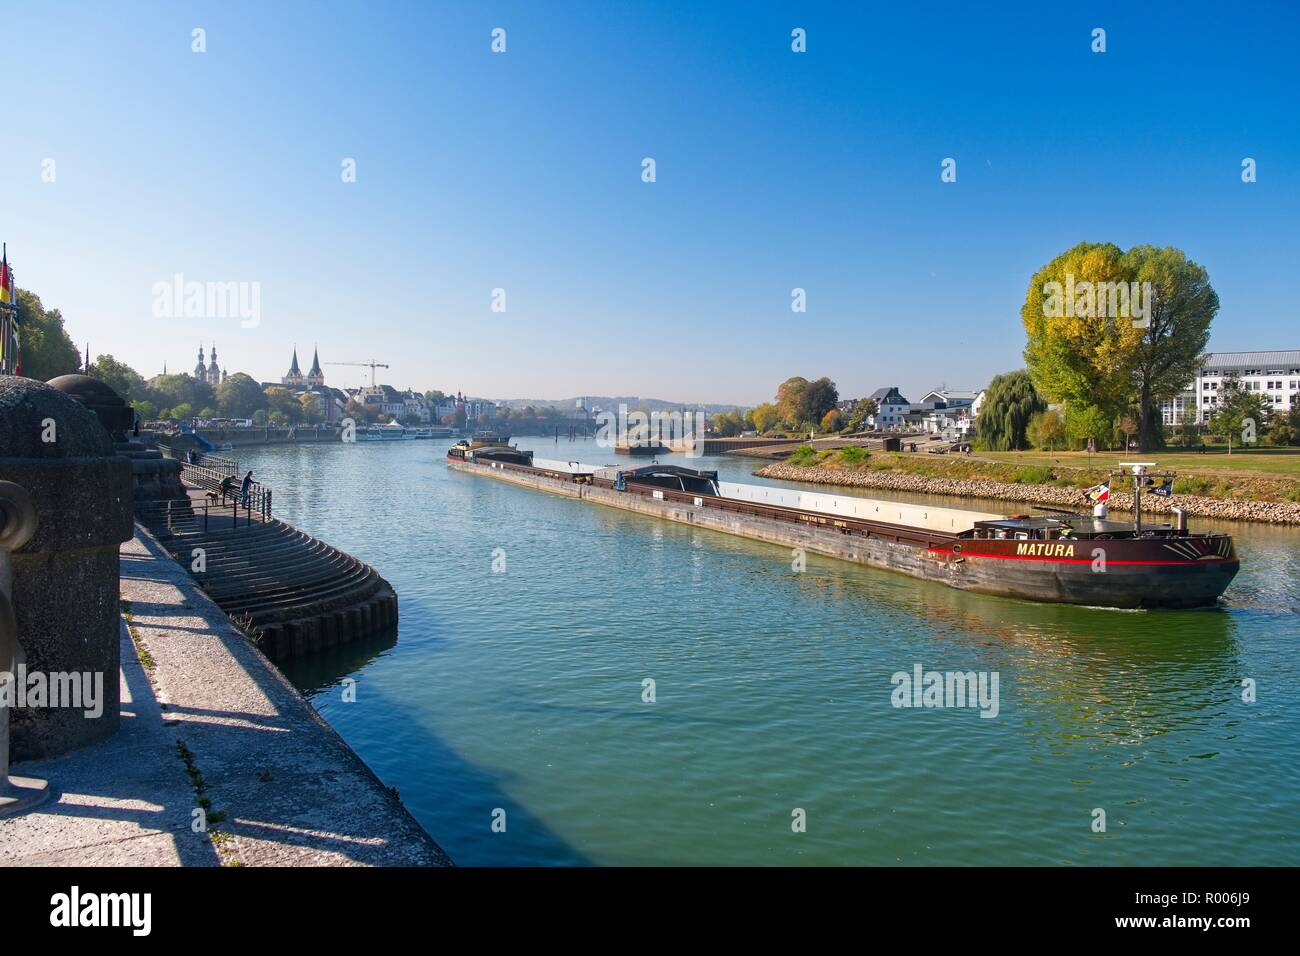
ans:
(1099, 493)
(6, 281)
(11, 358)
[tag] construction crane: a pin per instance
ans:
(372, 365)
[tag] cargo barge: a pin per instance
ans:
(1056, 557)
(489, 444)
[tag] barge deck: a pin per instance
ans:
(1016, 557)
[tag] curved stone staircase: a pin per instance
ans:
(292, 593)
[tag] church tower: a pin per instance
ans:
(214, 371)
(315, 376)
(201, 370)
(294, 375)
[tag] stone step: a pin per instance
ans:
(299, 592)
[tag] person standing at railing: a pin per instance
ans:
(245, 487)
(227, 487)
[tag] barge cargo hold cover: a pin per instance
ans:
(1061, 558)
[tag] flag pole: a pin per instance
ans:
(4, 311)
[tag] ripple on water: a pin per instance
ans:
(523, 691)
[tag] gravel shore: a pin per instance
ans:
(1232, 509)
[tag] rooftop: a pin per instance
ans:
(1288, 358)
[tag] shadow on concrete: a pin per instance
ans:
(135, 778)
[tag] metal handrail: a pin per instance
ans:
(208, 460)
(258, 499)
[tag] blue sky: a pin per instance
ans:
(522, 171)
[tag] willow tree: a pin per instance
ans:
(1010, 404)
(1108, 329)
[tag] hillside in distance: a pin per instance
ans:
(612, 402)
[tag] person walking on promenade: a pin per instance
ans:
(244, 487)
(227, 487)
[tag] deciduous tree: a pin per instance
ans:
(47, 348)
(1241, 416)
(1074, 356)
(1172, 346)
(1047, 429)
(119, 376)
(239, 396)
(1110, 329)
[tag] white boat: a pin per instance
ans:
(391, 432)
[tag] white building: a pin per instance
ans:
(891, 408)
(947, 412)
(1274, 375)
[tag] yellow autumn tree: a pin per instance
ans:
(1074, 353)
(1109, 330)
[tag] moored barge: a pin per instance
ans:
(488, 446)
(1055, 557)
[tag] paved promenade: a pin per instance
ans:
(291, 791)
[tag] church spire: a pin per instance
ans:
(315, 376)
(294, 375)
(213, 376)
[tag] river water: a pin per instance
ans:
(522, 690)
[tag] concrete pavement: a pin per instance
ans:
(290, 791)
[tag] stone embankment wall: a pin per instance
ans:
(246, 437)
(1267, 512)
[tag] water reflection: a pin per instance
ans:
(522, 690)
(327, 668)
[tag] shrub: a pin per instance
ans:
(853, 455)
(803, 456)
(1047, 430)
(1032, 475)
(1192, 486)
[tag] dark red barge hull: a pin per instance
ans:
(1177, 572)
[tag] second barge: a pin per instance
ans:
(1060, 558)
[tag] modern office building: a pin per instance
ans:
(1275, 375)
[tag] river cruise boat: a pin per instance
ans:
(1053, 555)
(389, 432)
